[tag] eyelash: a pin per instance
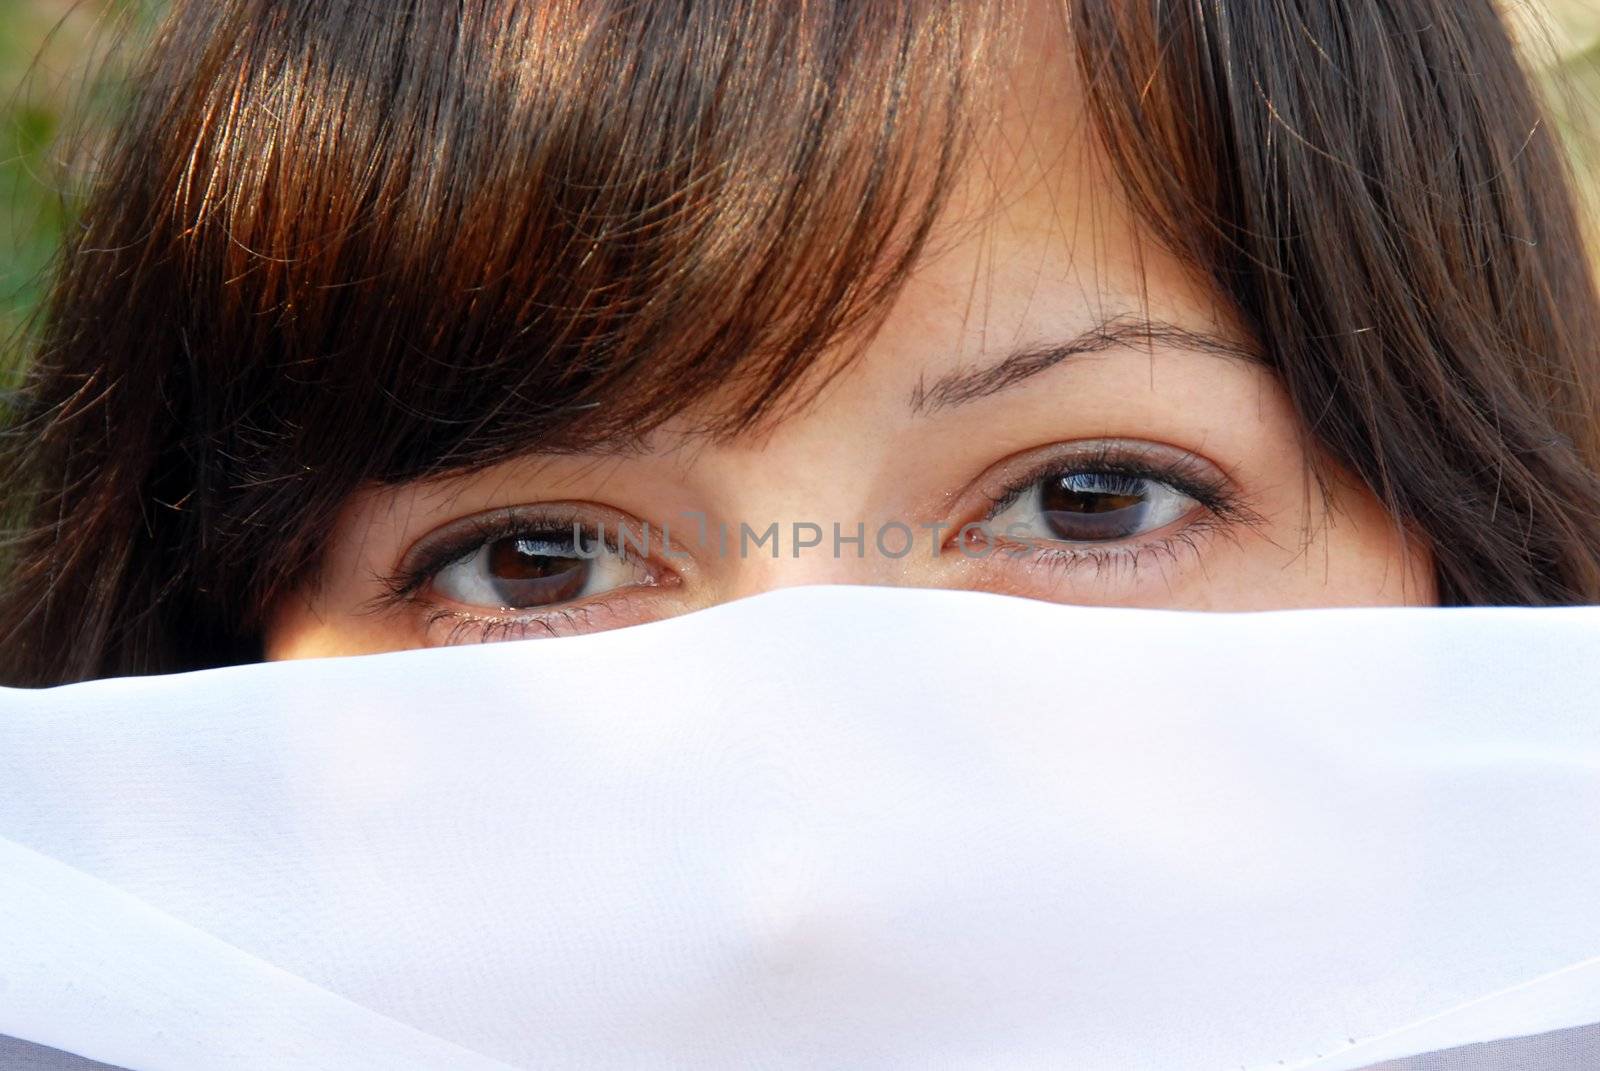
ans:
(1132, 558)
(421, 565)
(1186, 473)
(1223, 510)
(490, 629)
(468, 536)
(1183, 474)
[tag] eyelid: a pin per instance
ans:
(1107, 559)
(587, 615)
(1224, 510)
(1182, 470)
(448, 543)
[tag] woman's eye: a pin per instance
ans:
(523, 572)
(1090, 507)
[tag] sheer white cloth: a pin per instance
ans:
(822, 827)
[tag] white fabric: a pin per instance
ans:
(822, 827)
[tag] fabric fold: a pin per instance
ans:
(92, 971)
(823, 827)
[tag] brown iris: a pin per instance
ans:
(524, 573)
(1094, 507)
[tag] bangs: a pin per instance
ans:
(339, 243)
(430, 242)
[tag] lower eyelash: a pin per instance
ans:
(1107, 559)
(554, 622)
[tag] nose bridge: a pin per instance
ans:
(806, 551)
(819, 529)
(805, 509)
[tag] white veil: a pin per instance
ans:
(825, 828)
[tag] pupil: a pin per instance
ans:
(524, 573)
(1093, 507)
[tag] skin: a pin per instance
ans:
(1035, 250)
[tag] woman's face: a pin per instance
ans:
(1053, 408)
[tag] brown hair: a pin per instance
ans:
(338, 243)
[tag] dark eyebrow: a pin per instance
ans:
(1118, 332)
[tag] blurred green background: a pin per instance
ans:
(46, 47)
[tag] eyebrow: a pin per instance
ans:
(1116, 332)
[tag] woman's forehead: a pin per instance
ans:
(1037, 246)
(1036, 254)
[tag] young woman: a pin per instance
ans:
(407, 324)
